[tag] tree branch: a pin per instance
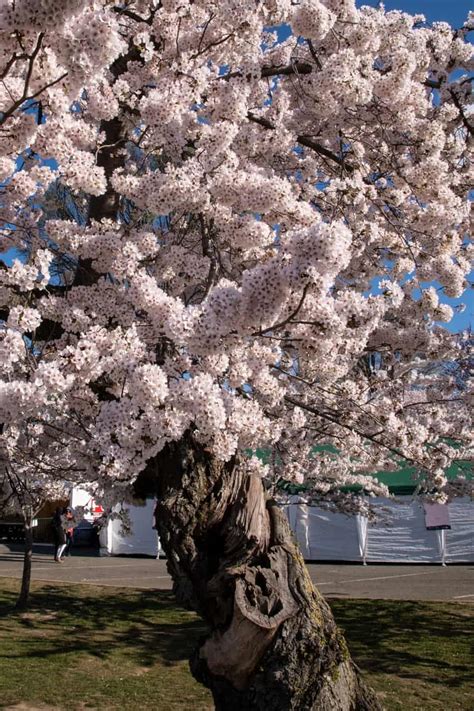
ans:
(307, 142)
(133, 15)
(5, 116)
(287, 320)
(365, 435)
(281, 70)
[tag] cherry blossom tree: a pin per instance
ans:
(32, 472)
(263, 208)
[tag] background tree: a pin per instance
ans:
(28, 479)
(236, 198)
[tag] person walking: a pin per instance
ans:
(59, 533)
(70, 524)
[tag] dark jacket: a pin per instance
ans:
(59, 533)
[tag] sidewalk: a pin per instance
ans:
(397, 582)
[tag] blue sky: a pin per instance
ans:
(452, 11)
(455, 12)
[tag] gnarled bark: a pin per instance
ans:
(273, 642)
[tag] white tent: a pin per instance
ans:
(398, 535)
(143, 539)
(322, 534)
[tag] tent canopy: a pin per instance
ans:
(400, 482)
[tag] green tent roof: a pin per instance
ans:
(403, 481)
(400, 481)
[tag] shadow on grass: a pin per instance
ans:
(145, 626)
(431, 642)
(427, 642)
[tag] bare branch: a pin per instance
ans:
(6, 115)
(307, 142)
(287, 320)
(351, 428)
(134, 16)
(280, 70)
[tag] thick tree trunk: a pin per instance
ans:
(273, 642)
(110, 157)
(24, 595)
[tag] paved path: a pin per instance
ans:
(397, 582)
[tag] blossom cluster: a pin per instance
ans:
(219, 233)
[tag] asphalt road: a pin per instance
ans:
(396, 582)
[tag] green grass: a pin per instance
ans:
(416, 655)
(90, 647)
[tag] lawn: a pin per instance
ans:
(418, 656)
(87, 647)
